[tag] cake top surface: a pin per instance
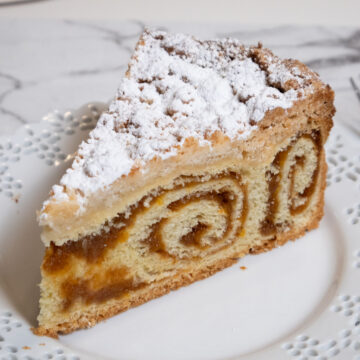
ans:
(178, 87)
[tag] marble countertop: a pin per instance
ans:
(63, 64)
(306, 12)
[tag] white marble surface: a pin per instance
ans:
(62, 64)
(309, 12)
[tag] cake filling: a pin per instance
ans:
(275, 174)
(199, 215)
(113, 284)
(92, 248)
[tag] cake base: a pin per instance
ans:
(88, 319)
(83, 309)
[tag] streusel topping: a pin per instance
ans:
(178, 87)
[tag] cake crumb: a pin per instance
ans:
(42, 344)
(26, 347)
(243, 267)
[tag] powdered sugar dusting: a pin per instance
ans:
(177, 87)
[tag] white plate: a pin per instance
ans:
(299, 301)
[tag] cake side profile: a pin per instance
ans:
(210, 151)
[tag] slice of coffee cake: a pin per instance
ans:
(210, 151)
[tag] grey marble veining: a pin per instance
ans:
(62, 64)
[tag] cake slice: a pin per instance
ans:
(210, 151)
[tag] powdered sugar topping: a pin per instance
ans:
(178, 87)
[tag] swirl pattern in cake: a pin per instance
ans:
(209, 152)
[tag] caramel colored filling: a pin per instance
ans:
(93, 248)
(116, 283)
(193, 238)
(268, 226)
